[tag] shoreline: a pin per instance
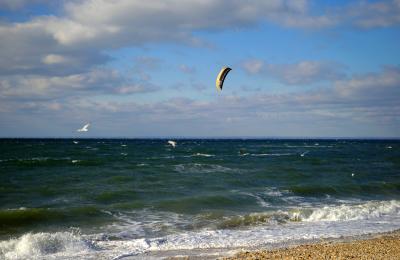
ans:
(371, 246)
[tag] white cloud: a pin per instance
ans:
(187, 69)
(18, 4)
(90, 26)
(253, 66)
(87, 27)
(303, 72)
(95, 82)
(54, 59)
(137, 88)
(25, 48)
(362, 105)
(373, 14)
(383, 87)
(58, 57)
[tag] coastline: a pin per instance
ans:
(374, 246)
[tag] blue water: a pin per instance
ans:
(111, 199)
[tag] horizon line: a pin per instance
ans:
(211, 137)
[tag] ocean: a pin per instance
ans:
(142, 198)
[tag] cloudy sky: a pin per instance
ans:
(136, 68)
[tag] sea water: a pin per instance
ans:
(142, 198)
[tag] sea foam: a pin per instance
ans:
(316, 223)
(344, 212)
(38, 245)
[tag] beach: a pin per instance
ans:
(383, 246)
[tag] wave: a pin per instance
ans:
(261, 229)
(332, 213)
(50, 161)
(310, 146)
(274, 192)
(203, 155)
(39, 245)
(36, 160)
(260, 201)
(371, 210)
(141, 164)
(347, 188)
(271, 154)
(173, 218)
(136, 223)
(22, 217)
(256, 219)
(264, 229)
(196, 203)
(344, 212)
(313, 190)
(67, 245)
(202, 168)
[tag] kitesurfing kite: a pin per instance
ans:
(221, 77)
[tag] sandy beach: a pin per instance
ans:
(384, 246)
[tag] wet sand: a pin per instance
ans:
(384, 246)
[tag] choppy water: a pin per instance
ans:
(111, 199)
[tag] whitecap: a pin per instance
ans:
(273, 192)
(204, 155)
(304, 153)
(42, 245)
(270, 154)
(267, 236)
(141, 164)
(345, 212)
(307, 224)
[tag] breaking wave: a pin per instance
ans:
(39, 245)
(368, 210)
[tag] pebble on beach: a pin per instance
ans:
(383, 247)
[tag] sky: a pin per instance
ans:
(135, 68)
